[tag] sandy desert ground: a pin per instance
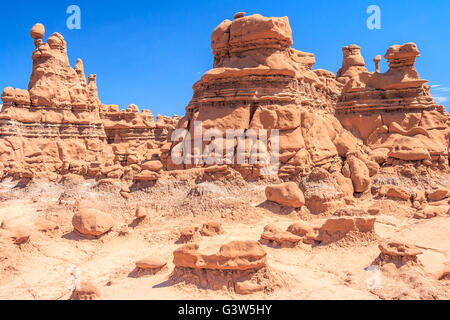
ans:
(56, 255)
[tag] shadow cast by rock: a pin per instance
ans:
(275, 208)
(139, 273)
(76, 236)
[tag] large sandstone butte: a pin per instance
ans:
(59, 126)
(335, 132)
(260, 82)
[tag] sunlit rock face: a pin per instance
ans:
(343, 128)
(59, 125)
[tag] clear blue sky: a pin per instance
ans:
(151, 52)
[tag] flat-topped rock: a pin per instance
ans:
(150, 263)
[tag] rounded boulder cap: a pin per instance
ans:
(239, 15)
(377, 58)
(38, 31)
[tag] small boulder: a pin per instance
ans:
(141, 213)
(92, 222)
(287, 194)
(37, 31)
(153, 165)
(394, 192)
(146, 175)
(358, 172)
(437, 194)
(211, 229)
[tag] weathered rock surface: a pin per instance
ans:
(211, 229)
(239, 265)
(287, 194)
(335, 229)
(92, 222)
(150, 263)
(276, 237)
(398, 252)
(236, 255)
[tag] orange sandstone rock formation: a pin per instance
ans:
(59, 126)
(336, 134)
(240, 266)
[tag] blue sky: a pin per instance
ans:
(150, 53)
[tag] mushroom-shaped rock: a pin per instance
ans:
(399, 249)
(92, 222)
(86, 291)
(150, 263)
(37, 31)
(241, 265)
(287, 194)
(377, 60)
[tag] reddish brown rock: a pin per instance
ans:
(358, 172)
(151, 263)
(394, 192)
(92, 222)
(398, 252)
(337, 228)
(275, 236)
(20, 235)
(189, 234)
(309, 234)
(38, 31)
(239, 265)
(287, 194)
(146, 175)
(154, 165)
(211, 229)
(236, 255)
(437, 194)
